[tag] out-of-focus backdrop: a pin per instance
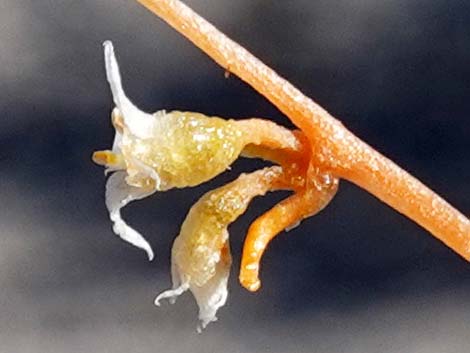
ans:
(359, 277)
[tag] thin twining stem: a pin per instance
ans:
(334, 147)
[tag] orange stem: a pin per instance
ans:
(287, 213)
(334, 147)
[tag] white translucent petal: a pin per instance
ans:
(118, 195)
(171, 294)
(139, 123)
(212, 295)
(141, 171)
(117, 143)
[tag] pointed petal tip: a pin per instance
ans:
(108, 43)
(150, 254)
(112, 74)
(109, 56)
(139, 122)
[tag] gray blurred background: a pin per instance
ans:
(357, 278)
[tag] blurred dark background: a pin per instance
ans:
(359, 277)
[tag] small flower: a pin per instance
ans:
(160, 151)
(156, 152)
(201, 257)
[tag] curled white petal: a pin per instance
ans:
(213, 295)
(118, 195)
(138, 122)
(171, 294)
(179, 287)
